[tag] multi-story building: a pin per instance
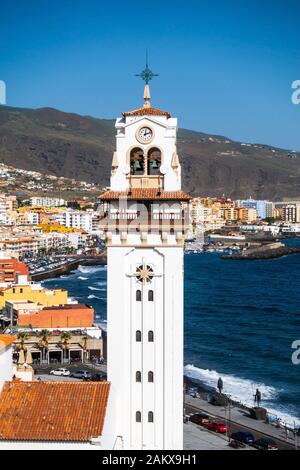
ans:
(12, 270)
(62, 316)
(8, 203)
(291, 213)
(263, 208)
(34, 293)
(47, 201)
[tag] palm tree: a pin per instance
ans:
(64, 343)
(44, 336)
(84, 340)
(22, 337)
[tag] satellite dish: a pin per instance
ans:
(163, 169)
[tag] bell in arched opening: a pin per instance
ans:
(154, 161)
(137, 161)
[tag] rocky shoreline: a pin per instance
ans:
(264, 252)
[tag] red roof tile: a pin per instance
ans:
(147, 112)
(6, 340)
(53, 411)
(146, 194)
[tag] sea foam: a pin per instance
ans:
(243, 390)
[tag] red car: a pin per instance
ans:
(217, 426)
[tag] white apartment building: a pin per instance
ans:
(47, 201)
(291, 213)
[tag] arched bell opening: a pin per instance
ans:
(137, 162)
(153, 161)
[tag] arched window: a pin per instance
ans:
(138, 336)
(150, 376)
(150, 295)
(138, 296)
(150, 417)
(150, 336)
(137, 161)
(138, 376)
(154, 161)
(138, 417)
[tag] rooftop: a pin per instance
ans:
(53, 411)
(6, 340)
(147, 112)
(68, 307)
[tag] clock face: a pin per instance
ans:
(145, 134)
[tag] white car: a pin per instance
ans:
(61, 371)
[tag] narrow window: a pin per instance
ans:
(150, 295)
(150, 336)
(150, 376)
(138, 296)
(138, 417)
(138, 336)
(138, 376)
(150, 417)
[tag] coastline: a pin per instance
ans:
(263, 252)
(67, 268)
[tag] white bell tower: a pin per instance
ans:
(144, 216)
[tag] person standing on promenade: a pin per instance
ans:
(220, 385)
(257, 397)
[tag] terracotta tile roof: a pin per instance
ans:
(146, 194)
(6, 340)
(147, 112)
(52, 411)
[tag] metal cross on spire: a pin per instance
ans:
(146, 74)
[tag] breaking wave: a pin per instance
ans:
(90, 269)
(242, 390)
(92, 296)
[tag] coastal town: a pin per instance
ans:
(47, 335)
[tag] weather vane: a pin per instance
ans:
(146, 74)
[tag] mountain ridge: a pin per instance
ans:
(81, 147)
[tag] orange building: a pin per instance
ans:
(64, 316)
(10, 269)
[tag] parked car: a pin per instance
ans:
(99, 377)
(265, 443)
(82, 374)
(200, 418)
(245, 437)
(60, 371)
(217, 426)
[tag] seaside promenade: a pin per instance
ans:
(241, 421)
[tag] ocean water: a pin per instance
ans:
(241, 318)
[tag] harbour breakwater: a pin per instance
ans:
(265, 251)
(70, 266)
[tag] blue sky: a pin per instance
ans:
(226, 67)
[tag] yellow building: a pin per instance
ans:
(34, 293)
